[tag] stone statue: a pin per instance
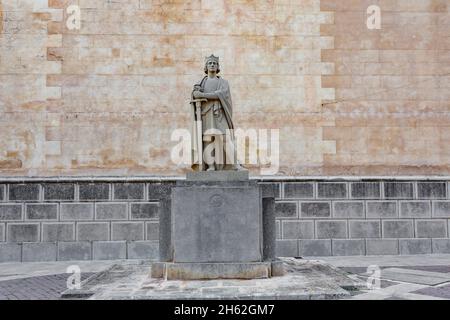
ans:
(213, 137)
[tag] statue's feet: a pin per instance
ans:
(211, 169)
(239, 167)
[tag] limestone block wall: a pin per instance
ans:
(82, 220)
(391, 106)
(104, 99)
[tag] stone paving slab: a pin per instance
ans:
(415, 276)
(391, 261)
(47, 287)
(441, 269)
(363, 270)
(115, 278)
(304, 280)
(17, 270)
(397, 291)
(439, 292)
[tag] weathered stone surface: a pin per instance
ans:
(431, 190)
(109, 250)
(24, 192)
(378, 247)
(53, 232)
(431, 228)
(441, 209)
(415, 209)
(302, 280)
(331, 229)
(2, 232)
(10, 212)
(314, 248)
(59, 191)
(398, 228)
(10, 252)
(23, 232)
(95, 191)
(364, 229)
(298, 229)
(77, 211)
(143, 250)
(271, 189)
(412, 276)
(152, 231)
(35, 252)
(278, 269)
(298, 190)
(315, 210)
(365, 190)
(286, 209)
(348, 247)
(130, 231)
(225, 175)
(415, 246)
(441, 245)
(201, 235)
(268, 229)
(381, 209)
(72, 251)
(144, 211)
(111, 211)
(351, 70)
(278, 229)
(92, 231)
(286, 248)
(331, 190)
(210, 271)
(165, 230)
(342, 209)
(448, 228)
(41, 211)
(158, 270)
(157, 191)
(398, 190)
(129, 191)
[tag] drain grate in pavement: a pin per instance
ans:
(47, 287)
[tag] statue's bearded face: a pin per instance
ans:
(212, 66)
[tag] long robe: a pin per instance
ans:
(225, 103)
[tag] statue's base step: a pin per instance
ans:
(303, 280)
(211, 271)
(224, 175)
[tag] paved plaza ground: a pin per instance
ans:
(402, 277)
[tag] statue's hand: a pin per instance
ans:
(198, 95)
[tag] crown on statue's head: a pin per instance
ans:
(212, 57)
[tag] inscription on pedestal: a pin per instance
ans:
(216, 224)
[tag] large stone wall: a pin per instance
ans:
(104, 100)
(391, 107)
(82, 220)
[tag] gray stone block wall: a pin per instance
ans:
(372, 217)
(51, 221)
(67, 220)
(39, 251)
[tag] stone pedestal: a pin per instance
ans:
(220, 225)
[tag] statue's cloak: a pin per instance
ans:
(224, 95)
